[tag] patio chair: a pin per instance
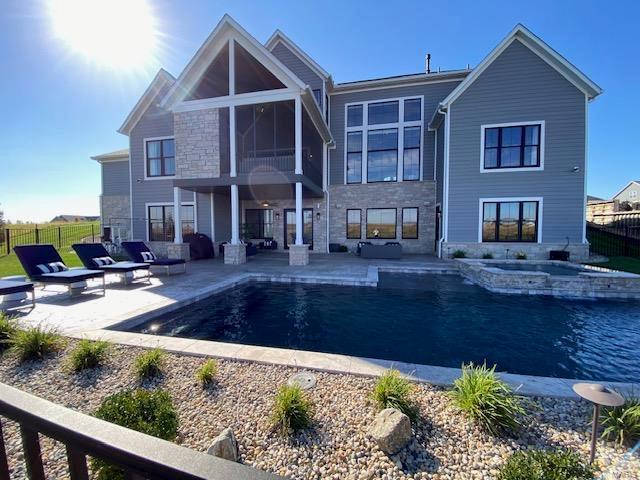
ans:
(11, 287)
(95, 257)
(139, 252)
(44, 266)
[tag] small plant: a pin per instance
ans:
(147, 411)
(521, 256)
(207, 372)
(292, 409)
(622, 424)
(542, 465)
(88, 354)
(343, 248)
(393, 391)
(487, 256)
(487, 400)
(150, 363)
(8, 327)
(459, 254)
(34, 342)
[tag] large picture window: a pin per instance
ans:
(161, 161)
(161, 222)
(411, 165)
(259, 223)
(515, 146)
(382, 155)
(510, 221)
(410, 222)
(381, 223)
(354, 223)
(354, 157)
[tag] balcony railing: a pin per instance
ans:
(140, 456)
(280, 160)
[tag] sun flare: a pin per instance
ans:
(118, 34)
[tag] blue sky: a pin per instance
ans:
(58, 109)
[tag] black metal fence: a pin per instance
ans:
(57, 235)
(618, 236)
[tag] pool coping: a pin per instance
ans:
(529, 385)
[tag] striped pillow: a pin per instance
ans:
(100, 261)
(52, 267)
(148, 256)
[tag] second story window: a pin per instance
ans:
(512, 146)
(161, 161)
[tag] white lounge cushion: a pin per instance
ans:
(100, 261)
(148, 256)
(52, 267)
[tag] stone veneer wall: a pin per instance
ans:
(197, 143)
(396, 195)
(115, 211)
(534, 251)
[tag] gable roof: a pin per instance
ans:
(226, 29)
(279, 37)
(637, 182)
(161, 79)
(540, 48)
(115, 156)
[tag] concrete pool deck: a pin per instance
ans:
(89, 316)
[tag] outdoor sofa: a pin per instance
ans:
(95, 257)
(388, 251)
(139, 252)
(11, 287)
(44, 266)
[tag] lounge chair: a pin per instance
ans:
(139, 252)
(44, 266)
(11, 287)
(95, 257)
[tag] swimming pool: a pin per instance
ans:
(425, 319)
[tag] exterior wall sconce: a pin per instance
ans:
(318, 215)
(277, 215)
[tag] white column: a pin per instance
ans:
(232, 110)
(177, 216)
(299, 213)
(298, 139)
(235, 215)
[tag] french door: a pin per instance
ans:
(290, 227)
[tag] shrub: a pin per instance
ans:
(207, 372)
(34, 342)
(292, 409)
(487, 256)
(343, 248)
(622, 424)
(487, 400)
(541, 465)
(459, 254)
(88, 354)
(8, 327)
(150, 412)
(521, 256)
(150, 363)
(393, 391)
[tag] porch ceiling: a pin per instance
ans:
(257, 187)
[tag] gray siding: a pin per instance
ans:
(115, 178)
(519, 87)
(222, 217)
(626, 195)
(203, 213)
(433, 94)
(297, 66)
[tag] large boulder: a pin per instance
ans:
(225, 446)
(391, 429)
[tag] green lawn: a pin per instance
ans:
(611, 245)
(10, 265)
(626, 264)
(60, 235)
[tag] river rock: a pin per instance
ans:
(225, 446)
(391, 430)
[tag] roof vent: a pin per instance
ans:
(428, 63)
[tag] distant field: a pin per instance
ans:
(60, 235)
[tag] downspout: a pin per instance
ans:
(444, 224)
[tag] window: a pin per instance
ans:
(382, 155)
(381, 223)
(515, 146)
(161, 222)
(411, 165)
(354, 224)
(317, 94)
(510, 221)
(354, 157)
(381, 134)
(259, 223)
(410, 222)
(161, 160)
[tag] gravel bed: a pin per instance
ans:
(445, 445)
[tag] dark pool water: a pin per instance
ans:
(426, 319)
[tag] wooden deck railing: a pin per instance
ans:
(140, 456)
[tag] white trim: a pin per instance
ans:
(481, 201)
(144, 157)
(298, 135)
(159, 81)
(212, 217)
(162, 204)
(400, 125)
(405, 81)
(279, 37)
(626, 186)
(445, 190)
(263, 96)
(513, 169)
(232, 67)
(112, 160)
(435, 153)
(586, 166)
(131, 236)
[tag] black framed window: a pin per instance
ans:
(354, 157)
(161, 161)
(354, 223)
(410, 222)
(382, 155)
(381, 223)
(259, 222)
(411, 154)
(512, 147)
(354, 116)
(510, 221)
(161, 222)
(383, 112)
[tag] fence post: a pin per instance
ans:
(37, 235)
(93, 236)
(59, 237)
(7, 237)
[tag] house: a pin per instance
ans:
(256, 140)
(73, 218)
(605, 212)
(629, 194)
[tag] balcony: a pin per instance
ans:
(280, 160)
